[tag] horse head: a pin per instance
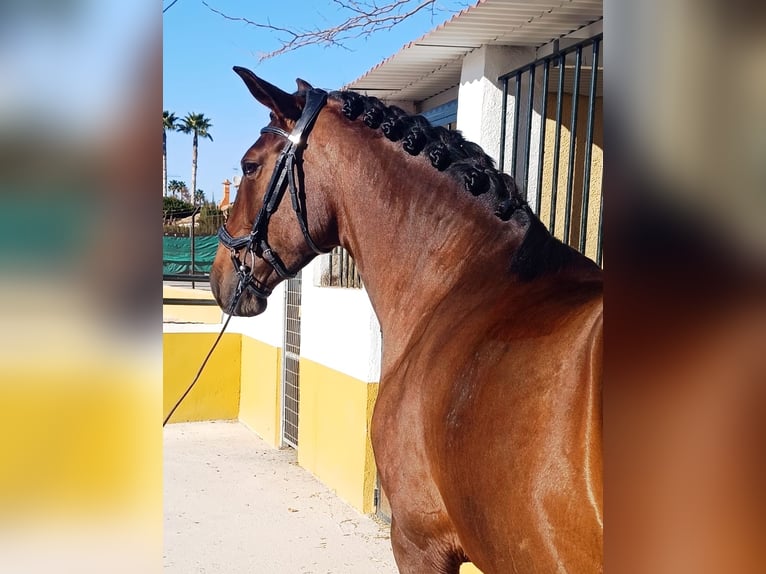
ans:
(268, 236)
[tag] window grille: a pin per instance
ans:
(337, 269)
(559, 164)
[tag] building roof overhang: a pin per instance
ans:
(432, 64)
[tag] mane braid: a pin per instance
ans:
(447, 150)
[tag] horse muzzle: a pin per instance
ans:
(249, 304)
(238, 293)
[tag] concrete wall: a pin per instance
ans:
(261, 374)
(480, 94)
(268, 327)
(334, 432)
(216, 394)
(339, 329)
(260, 389)
(339, 374)
(438, 99)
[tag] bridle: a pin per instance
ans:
(287, 172)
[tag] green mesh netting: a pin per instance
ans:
(176, 255)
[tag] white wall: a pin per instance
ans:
(438, 99)
(339, 329)
(480, 98)
(267, 327)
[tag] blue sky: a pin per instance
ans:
(200, 48)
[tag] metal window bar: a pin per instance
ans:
(528, 142)
(516, 102)
(572, 144)
(342, 271)
(541, 149)
(557, 140)
(503, 125)
(599, 252)
(579, 171)
(589, 145)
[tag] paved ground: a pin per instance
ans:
(235, 505)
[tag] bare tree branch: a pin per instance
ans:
(366, 18)
(169, 6)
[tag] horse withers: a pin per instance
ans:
(487, 425)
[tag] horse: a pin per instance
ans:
(487, 426)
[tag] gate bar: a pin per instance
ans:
(600, 230)
(503, 121)
(589, 146)
(572, 143)
(515, 150)
(557, 143)
(201, 277)
(189, 301)
(530, 104)
(541, 151)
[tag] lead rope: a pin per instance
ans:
(196, 378)
(233, 304)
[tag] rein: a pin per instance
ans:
(287, 173)
(288, 165)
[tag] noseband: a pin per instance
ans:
(286, 171)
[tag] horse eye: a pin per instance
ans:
(250, 167)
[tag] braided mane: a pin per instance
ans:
(448, 151)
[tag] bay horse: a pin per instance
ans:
(487, 426)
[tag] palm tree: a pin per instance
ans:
(199, 197)
(200, 126)
(168, 125)
(178, 188)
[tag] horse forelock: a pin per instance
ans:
(448, 151)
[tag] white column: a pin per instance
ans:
(480, 98)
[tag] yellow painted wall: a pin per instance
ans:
(260, 395)
(596, 174)
(189, 313)
(333, 432)
(216, 394)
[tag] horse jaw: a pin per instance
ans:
(250, 305)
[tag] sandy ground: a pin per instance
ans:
(235, 505)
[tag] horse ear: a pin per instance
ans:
(303, 85)
(284, 105)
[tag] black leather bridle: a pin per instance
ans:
(287, 173)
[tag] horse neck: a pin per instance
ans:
(416, 237)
